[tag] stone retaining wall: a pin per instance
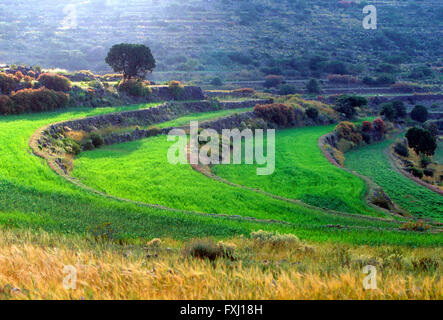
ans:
(145, 117)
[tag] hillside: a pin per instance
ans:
(254, 37)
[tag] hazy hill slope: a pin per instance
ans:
(196, 35)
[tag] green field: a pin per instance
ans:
(33, 196)
(140, 171)
(303, 172)
(372, 161)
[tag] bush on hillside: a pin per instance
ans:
(244, 90)
(96, 139)
(208, 249)
(217, 82)
(31, 74)
(19, 75)
(312, 113)
(287, 89)
(274, 239)
(313, 86)
(401, 149)
(432, 127)
(6, 105)
(37, 100)
(177, 90)
(134, 88)
(416, 172)
(54, 82)
(349, 131)
(346, 105)
(277, 113)
(379, 128)
(419, 113)
(393, 110)
(8, 83)
(367, 126)
(273, 81)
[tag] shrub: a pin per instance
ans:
(88, 145)
(419, 113)
(313, 86)
(428, 172)
(388, 111)
(379, 128)
(19, 75)
(72, 146)
(432, 127)
(274, 239)
(27, 79)
(401, 149)
(419, 226)
(31, 74)
(279, 114)
(400, 109)
(6, 105)
(97, 139)
(348, 131)
(8, 83)
(54, 82)
(217, 81)
(422, 141)
(312, 113)
(425, 161)
(347, 105)
(177, 90)
(134, 87)
(367, 126)
(416, 172)
(287, 89)
(273, 81)
(37, 100)
(208, 249)
(244, 90)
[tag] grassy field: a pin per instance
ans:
(261, 270)
(140, 171)
(33, 196)
(371, 161)
(302, 172)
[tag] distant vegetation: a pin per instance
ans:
(241, 39)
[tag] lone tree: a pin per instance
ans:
(422, 141)
(134, 60)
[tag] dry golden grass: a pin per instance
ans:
(32, 265)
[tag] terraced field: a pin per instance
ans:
(372, 161)
(33, 196)
(140, 171)
(302, 172)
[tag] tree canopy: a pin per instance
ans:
(134, 60)
(421, 141)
